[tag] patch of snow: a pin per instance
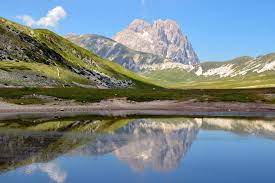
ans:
(223, 71)
(268, 67)
(199, 72)
(251, 66)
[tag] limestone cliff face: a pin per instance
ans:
(107, 48)
(143, 47)
(162, 37)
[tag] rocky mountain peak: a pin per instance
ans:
(162, 37)
(138, 25)
(167, 25)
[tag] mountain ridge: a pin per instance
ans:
(107, 48)
(41, 58)
(169, 73)
(31, 56)
(162, 37)
(242, 72)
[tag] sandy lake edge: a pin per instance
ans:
(127, 108)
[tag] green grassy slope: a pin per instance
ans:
(259, 81)
(238, 61)
(179, 78)
(43, 53)
(170, 76)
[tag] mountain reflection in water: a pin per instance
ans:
(156, 144)
(159, 144)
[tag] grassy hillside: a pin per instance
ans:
(170, 76)
(238, 61)
(259, 81)
(35, 57)
(242, 72)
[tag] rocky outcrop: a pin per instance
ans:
(143, 47)
(162, 37)
(114, 51)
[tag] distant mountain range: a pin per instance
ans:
(143, 47)
(107, 48)
(161, 52)
(239, 72)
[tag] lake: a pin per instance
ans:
(94, 149)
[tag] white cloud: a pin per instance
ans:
(50, 20)
(28, 20)
(52, 169)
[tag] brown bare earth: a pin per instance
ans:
(123, 108)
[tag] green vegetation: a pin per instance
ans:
(54, 72)
(244, 68)
(25, 101)
(170, 76)
(181, 79)
(90, 124)
(259, 81)
(240, 61)
(35, 53)
(76, 54)
(95, 95)
(55, 67)
(41, 58)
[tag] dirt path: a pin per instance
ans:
(119, 108)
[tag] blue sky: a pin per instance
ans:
(218, 29)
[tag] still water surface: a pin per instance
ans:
(138, 150)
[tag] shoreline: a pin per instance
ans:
(154, 108)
